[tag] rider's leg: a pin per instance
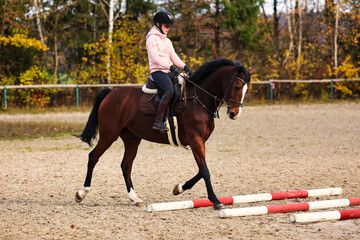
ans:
(159, 120)
(165, 86)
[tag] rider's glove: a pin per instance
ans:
(188, 70)
(174, 70)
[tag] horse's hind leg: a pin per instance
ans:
(94, 155)
(131, 143)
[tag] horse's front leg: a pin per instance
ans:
(188, 185)
(198, 148)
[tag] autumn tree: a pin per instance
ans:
(190, 34)
(128, 56)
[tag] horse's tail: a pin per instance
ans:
(89, 132)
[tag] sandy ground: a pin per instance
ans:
(268, 149)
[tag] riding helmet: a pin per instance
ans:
(164, 17)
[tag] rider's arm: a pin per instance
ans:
(175, 58)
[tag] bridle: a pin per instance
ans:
(216, 99)
(238, 104)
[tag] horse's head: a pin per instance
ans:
(237, 88)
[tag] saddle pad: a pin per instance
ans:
(147, 105)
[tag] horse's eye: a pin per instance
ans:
(237, 88)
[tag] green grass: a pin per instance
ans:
(17, 110)
(28, 130)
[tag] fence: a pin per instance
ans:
(270, 83)
(62, 86)
(331, 81)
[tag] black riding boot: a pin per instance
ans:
(159, 120)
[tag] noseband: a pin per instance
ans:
(216, 99)
(238, 104)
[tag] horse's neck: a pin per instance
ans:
(213, 86)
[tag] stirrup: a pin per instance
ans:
(163, 127)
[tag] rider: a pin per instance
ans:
(162, 56)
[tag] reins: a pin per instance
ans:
(216, 99)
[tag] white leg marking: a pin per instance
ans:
(181, 190)
(81, 194)
(133, 197)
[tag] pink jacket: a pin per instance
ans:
(161, 52)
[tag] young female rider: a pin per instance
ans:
(162, 56)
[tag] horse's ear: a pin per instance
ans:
(252, 71)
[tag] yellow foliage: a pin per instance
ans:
(35, 97)
(347, 69)
(21, 40)
(192, 62)
(129, 62)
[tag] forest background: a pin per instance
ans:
(103, 41)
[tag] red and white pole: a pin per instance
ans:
(167, 206)
(325, 216)
(292, 207)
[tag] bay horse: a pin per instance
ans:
(115, 113)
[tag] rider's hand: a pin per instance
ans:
(188, 70)
(174, 70)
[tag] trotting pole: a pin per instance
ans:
(167, 206)
(325, 216)
(293, 207)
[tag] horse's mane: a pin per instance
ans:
(209, 67)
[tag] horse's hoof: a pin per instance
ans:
(178, 189)
(139, 204)
(78, 199)
(219, 206)
(81, 194)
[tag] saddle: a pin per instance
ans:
(151, 97)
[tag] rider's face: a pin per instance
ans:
(165, 28)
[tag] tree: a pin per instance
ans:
(113, 7)
(276, 18)
(300, 29)
(12, 16)
(191, 34)
(239, 18)
(18, 53)
(136, 8)
(85, 24)
(291, 36)
(336, 37)
(38, 22)
(128, 56)
(349, 36)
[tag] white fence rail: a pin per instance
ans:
(271, 83)
(331, 81)
(62, 86)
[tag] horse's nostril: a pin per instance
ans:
(232, 115)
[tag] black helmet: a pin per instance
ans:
(163, 17)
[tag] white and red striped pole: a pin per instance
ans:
(292, 207)
(325, 216)
(167, 206)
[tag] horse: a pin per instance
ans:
(115, 114)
